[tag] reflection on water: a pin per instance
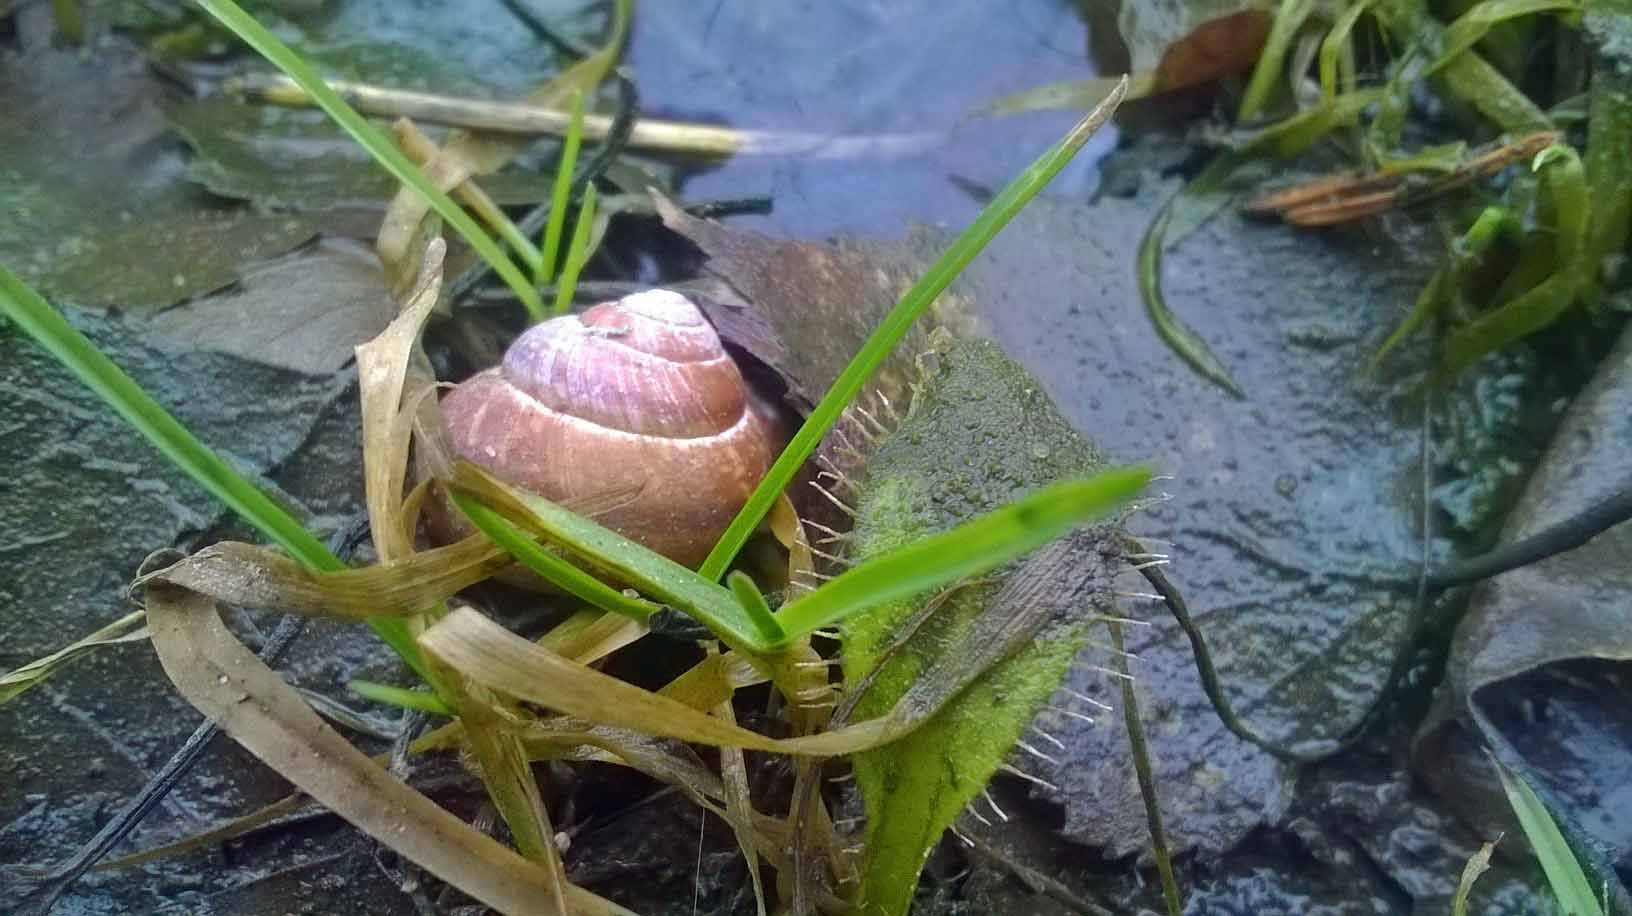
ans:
(859, 67)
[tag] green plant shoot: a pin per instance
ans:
(970, 549)
(578, 251)
(119, 391)
(560, 195)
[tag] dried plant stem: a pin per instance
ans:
(423, 151)
(649, 134)
(1147, 779)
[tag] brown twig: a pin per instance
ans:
(1336, 199)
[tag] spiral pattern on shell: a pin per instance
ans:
(635, 396)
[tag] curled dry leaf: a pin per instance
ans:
(383, 370)
(1218, 47)
(829, 298)
(1188, 42)
(251, 576)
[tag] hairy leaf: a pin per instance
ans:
(998, 649)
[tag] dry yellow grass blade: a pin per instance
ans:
(496, 658)
(382, 371)
(227, 683)
(739, 802)
(14, 683)
(527, 119)
(586, 637)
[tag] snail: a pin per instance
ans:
(637, 396)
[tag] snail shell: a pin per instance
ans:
(636, 396)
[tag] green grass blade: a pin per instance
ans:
(1272, 61)
(119, 391)
(1466, 75)
(973, 548)
(383, 150)
(577, 253)
(1564, 874)
(422, 700)
(609, 553)
(754, 606)
(877, 348)
(1183, 339)
(1519, 317)
(1333, 46)
(1473, 25)
(551, 246)
(555, 570)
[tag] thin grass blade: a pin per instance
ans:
(255, 35)
(559, 200)
(970, 549)
(1564, 874)
(119, 391)
(578, 250)
(555, 570)
(992, 219)
(129, 628)
(401, 697)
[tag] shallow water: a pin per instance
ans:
(857, 68)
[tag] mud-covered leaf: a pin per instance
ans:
(305, 311)
(1540, 663)
(98, 210)
(276, 158)
(84, 495)
(828, 298)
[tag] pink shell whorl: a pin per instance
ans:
(637, 396)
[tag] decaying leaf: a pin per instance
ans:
(1227, 43)
(304, 311)
(94, 214)
(828, 298)
(1539, 642)
(299, 162)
